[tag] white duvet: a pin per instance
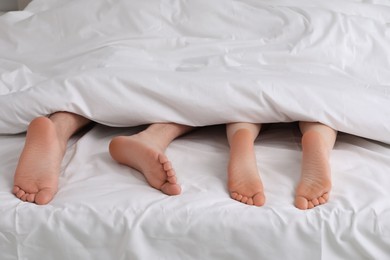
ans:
(130, 62)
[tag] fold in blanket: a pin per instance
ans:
(128, 62)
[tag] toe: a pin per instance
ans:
(171, 189)
(31, 198)
(162, 158)
(244, 199)
(172, 179)
(167, 166)
(315, 202)
(20, 193)
(171, 173)
(24, 197)
(258, 199)
(44, 196)
(233, 195)
(301, 202)
(15, 189)
(325, 196)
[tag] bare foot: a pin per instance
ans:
(38, 169)
(143, 154)
(244, 182)
(315, 184)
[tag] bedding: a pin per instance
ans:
(127, 63)
(107, 211)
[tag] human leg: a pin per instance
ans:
(145, 152)
(38, 169)
(244, 182)
(315, 182)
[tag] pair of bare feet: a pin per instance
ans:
(245, 184)
(37, 173)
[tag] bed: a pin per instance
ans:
(126, 64)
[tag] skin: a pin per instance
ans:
(37, 173)
(145, 152)
(315, 182)
(244, 182)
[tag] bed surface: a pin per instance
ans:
(106, 211)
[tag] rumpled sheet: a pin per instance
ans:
(104, 210)
(130, 62)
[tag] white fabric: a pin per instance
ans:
(129, 62)
(107, 211)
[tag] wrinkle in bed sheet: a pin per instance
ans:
(128, 62)
(290, 60)
(104, 210)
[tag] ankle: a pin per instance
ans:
(45, 125)
(243, 138)
(313, 142)
(155, 138)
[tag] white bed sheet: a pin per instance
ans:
(107, 211)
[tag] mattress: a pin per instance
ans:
(125, 64)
